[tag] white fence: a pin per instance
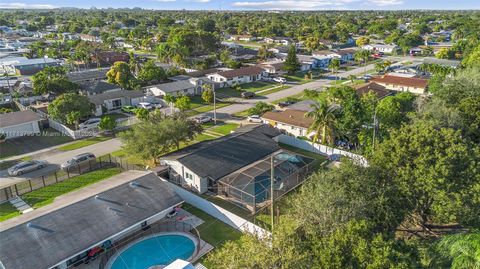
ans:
(78, 134)
(319, 148)
(218, 212)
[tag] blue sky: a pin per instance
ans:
(249, 4)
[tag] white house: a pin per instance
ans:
(272, 67)
(279, 40)
(241, 75)
(402, 84)
(19, 123)
(346, 55)
(324, 57)
(290, 121)
(381, 48)
(190, 86)
(113, 100)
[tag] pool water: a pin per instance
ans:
(157, 250)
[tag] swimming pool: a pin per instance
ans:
(157, 249)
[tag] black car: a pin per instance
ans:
(286, 103)
(248, 95)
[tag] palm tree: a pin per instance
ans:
(334, 65)
(324, 120)
(170, 99)
(462, 249)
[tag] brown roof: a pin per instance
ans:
(345, 51)
(289, 116)
(18, 117)
(245, 71)
(378, 89)
(277, 65)
(202, 73)
(402, 81)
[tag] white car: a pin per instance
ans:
(145, 105)
(255, 118)
(90, 123)
(280, 80)
(203, 119)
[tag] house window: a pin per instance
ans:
(116, 103)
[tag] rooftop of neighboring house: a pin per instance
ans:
(345, 51)
(305, 105)
(401, 81)
(222, 156)
(244, 71)
(97, 86)
(277, 64)
(17, 118)
(91, 74)
(59, 231)
(178, 85)
(290, 117)
(202, 73)
(378, 89)
(444, 62)
(99, 99)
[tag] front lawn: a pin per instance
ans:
(296, 98)
(85, 142)
(298, 77)
(277, 89)
(7, 211)
(256, 86)
(241, 114)
(224, 129)
(46, 195)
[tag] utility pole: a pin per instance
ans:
(374, 128)
(214, 106)
(271, 189)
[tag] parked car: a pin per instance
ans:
(248, 95)
(25, 167)
(157, 105)
(280, 80)
(254, 118)
(78, 160)
(90, 123)
(268, 79)
(203, 119)
(128, 109)
(286, 103)
(145, 105)
(172, 214)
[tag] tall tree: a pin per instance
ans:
(121, 75)
(291, 64)
(68, 103)
(324, 118)
(53, 79)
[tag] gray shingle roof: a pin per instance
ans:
(58, 235)
(98, 99)
(223, 156)
(95, 87)
(18, 117)
(88, 75)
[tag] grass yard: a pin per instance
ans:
(267, 92)
(296, 97)
(7, 211)
(241, 114)
(205, 108)
(224, 129)
(338, 82)
(84, 143)
(46, 195)
(256, 86)
(215, 232)
(298, 77)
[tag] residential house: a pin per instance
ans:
(89, 38)
(245, 38)
(94, 219)
(191, 86)
(241, 75)
(96, 87)
(108, 58)
(416, 51)
(402, 84)
(200, 166)
(324, 57)
(272, 67)
(88, 75)
(20, 123)
(113, 100)
(286, 41)
(379, 90)
(305, 106)
(389, 49)
(290, 121)
(25, 66)
(346, 55)
(307, 62)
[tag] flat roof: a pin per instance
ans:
(18, 117)
(57, 235)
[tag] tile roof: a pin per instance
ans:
(378, 89)
(401, 81)
(245, 71)
(290, 117)
(18, 117)
(59, 234)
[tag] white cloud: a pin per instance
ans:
(163, 1)
(200, 1)
(386, 2)
(25, 6)
(294, 5)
